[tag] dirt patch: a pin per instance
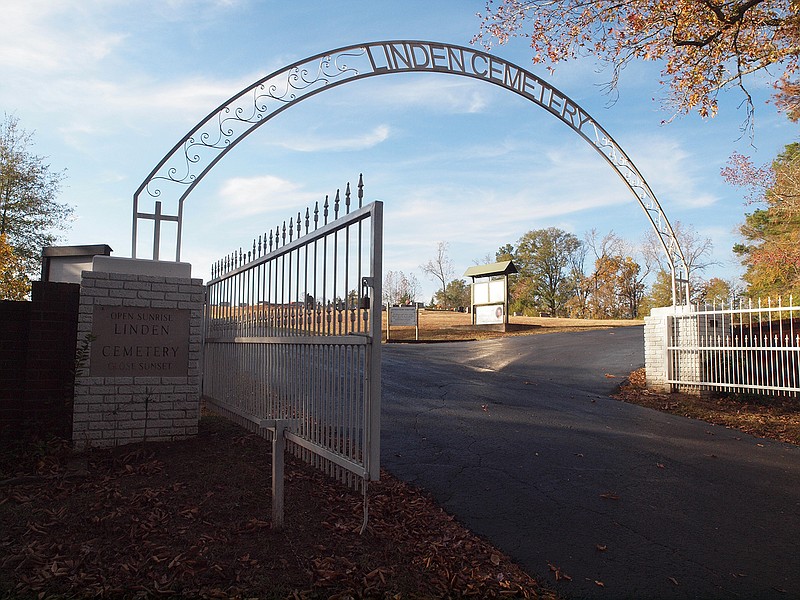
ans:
(773, 418)
(192, 519)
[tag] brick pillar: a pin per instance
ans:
(656, 337)
(140, 330)
(662, 328)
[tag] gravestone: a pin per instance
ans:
(139, 347)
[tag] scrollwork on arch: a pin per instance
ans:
(192, 157)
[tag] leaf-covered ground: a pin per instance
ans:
(192, 519)
(775, 418)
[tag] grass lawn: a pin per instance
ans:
(453, 326)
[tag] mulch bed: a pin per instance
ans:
(776, 418)
(192, 519)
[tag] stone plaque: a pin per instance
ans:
(139, 342)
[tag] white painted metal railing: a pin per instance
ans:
(744, 348)
(292, 341)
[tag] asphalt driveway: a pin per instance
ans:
(519, 439)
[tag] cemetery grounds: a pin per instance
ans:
(191, 518)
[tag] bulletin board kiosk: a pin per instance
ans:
(489, 292)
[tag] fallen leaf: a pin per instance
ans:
(559, 574)
(495, 559)
(609, 496)
(610, 376)
(601, 547)
(599, 583)
(660, 465)
(673, 580)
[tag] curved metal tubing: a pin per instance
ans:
(193, 156)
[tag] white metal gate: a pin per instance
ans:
(293, 332)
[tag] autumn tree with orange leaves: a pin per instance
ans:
(771, 250)
(13, 282)
(705, 45)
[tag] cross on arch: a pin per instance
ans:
(157, 216)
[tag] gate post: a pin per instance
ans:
(657, 328)
(675, 350)
(278, 450)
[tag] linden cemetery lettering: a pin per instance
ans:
(144, 342)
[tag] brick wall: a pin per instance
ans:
(37, 359)
(112, 411)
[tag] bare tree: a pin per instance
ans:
(399, 288)
(696, 251)
(440, 267)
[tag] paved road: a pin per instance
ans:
(519, 440)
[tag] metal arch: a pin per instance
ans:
(192, 157)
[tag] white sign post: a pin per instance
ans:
(402, 316)
(490, 297)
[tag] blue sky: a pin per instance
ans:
(110, 86)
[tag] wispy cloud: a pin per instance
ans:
(45, 36)
(674, 173)
(311, 143)
(244, 197)
(449, 95)
(74, 60)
